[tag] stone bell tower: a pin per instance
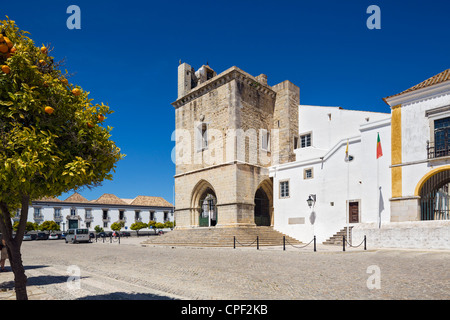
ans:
(230, 127)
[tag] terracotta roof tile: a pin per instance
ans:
(76, 197)
(48, 199)
(108, 198)
(439, 78)
(150, 201)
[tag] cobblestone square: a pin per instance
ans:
(130, 270)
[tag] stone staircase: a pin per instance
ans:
(222, 237)
(336, 239)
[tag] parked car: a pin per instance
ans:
(101, 234)
(27, 237)
(78, 235)
(42, 236)
(125, 234)
(63, 235)
(53, 236)
(92, 235)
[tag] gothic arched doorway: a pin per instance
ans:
(208, 209)
(262, 208)
(435, 197)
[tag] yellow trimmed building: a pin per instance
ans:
(420, 167)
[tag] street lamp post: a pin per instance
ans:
(311, 202)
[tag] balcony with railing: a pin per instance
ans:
(435, 151)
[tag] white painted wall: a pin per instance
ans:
(415, 133)
(376, 173)
(335, 181)
(332, 124)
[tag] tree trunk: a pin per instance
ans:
(20, 279)
(13, 245)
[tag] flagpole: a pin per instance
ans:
(378, 186)
(379, 154)
(348, 192)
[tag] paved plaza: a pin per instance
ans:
(130, 270)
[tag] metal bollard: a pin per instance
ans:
(257, 242)
(343, 243)
(315, 244)
(284, 243)
(365, 247)
(234, 242)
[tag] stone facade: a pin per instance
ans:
(229, 129)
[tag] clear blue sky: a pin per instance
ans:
(126, 54)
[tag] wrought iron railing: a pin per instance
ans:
(437, 151)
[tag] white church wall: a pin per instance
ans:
(376, 173)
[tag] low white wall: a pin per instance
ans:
(409, 234)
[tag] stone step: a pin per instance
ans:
(222, 237)
(337, 238)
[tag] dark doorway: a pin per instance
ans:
(262, 208)
(353, 212)
(208, 209)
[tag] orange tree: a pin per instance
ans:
(52, 139)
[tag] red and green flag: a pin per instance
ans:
(379, 151)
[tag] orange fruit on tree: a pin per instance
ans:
(13, 50)
(3, 48)
(64, 81)
(6, 69)
(1, 38)
(101, 117)
(90, 125)
(76, 92)
(42, 62)
(44, 49)
(8, 42)
(49, 110)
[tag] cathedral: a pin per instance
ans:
(248, 154)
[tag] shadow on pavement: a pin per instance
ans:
(126, 296)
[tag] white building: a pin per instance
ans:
(400, 199)
(321, 170)
(78, 212)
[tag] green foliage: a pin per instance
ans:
(45, 154)
(116, 226)
(159, 225)
(138, 226)
(49, 226)
(31, 226)
(168, 224)
(98, 229)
